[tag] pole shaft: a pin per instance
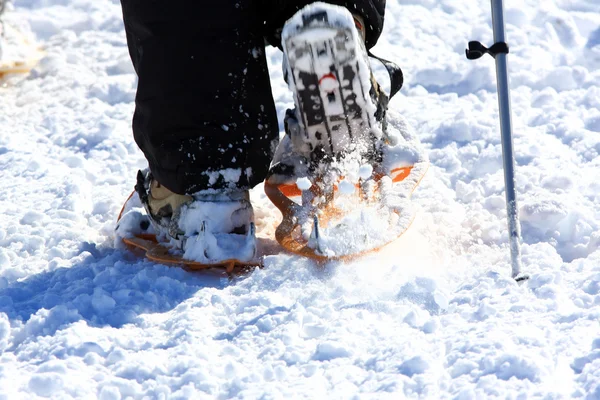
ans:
(514, 226)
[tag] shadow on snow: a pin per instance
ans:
(108, 287)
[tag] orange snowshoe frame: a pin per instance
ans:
(287, 233)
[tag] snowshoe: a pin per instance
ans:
(341, 176)
(201, 231)
(18, 53)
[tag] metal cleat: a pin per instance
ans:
(315, 236)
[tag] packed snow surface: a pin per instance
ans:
(435, 316)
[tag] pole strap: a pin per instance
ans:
(477, 50)
(395, 72)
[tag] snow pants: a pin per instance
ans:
(204, 113)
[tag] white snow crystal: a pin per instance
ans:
(365, 171)
(303, 183)
(346, 187)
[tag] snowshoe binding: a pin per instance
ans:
(341, 176)
(200, 231)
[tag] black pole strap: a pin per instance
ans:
(477, 50)
(396, 75)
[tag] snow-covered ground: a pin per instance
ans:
(434, 316)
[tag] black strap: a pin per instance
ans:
(477, 50)
(396, 75)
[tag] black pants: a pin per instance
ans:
(204, 100)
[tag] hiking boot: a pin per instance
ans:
(340, 109)
(206, 227)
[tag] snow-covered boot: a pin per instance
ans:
(329, 174)
(207, 228)
(340, 107)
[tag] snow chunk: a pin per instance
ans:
(230, 176)
(365, 171)
(314, 330)
(485, 311)
(33, 218)
(346, 187)
(109, 393)
(508, 366)
(543, 214)
(415, 366)
(330, 350)
(46, 384)
(303, 183)
(132, 223)
(102, 302)
(430, 326)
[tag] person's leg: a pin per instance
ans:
(204, 103)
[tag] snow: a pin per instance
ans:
(346, 187)
(207, 230)
(365, 171)
(303, 183)
(436, 315)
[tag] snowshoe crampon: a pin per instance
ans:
(341, 176)
(135, 229)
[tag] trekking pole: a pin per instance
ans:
(499, 51)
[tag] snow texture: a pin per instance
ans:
(207, 224)
(303, 183)
(436, 315)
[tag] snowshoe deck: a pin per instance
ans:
(155, 251)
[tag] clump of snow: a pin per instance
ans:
(413, 366)
(346, 187)
(229, 176)
(46, 384)
(330, 350)
(133, 222)
(365, 171)
(303, 183)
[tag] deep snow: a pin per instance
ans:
(433, 316)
